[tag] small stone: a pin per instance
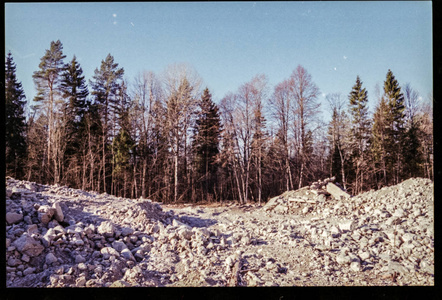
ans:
(13, 218)
(32, 229)
(355, 266)
(346, 225)
(50, 258)
(108, 251)
(79, 259)
(125, 231)
(365, 255)
(80, 281)
(82, 267)
(119, 246)
(127, 254)
(343, 259)
(119, 284)
(25, 258)
(13, 262)
(185, 233)
(399, 213)
(28, 271)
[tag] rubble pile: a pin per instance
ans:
(389, 231)
(62, 237)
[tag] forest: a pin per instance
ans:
(162, 137)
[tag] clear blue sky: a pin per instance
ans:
(229, 42)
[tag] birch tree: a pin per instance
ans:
(305, 109)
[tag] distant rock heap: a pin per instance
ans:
(317, 192)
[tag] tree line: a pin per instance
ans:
(163, 137)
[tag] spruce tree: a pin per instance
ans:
(360, 132)
(105, 86)
(15, 122)
(395, 121)
(379, 143)
(206, 142)
(75, 92)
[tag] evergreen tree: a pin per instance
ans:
(15, 123)
(360, 132)
(206, 142)
(379, 143)
(337, 132)
(395, 131)
(47, 81)
(75, 91)
(105, 86)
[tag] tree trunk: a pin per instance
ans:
(175, 197)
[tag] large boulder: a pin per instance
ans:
(336, 191)
(27, 245)
(106, 229)
(13, 218)
(45, 214)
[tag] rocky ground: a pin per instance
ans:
(62, 237)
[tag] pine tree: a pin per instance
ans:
(47, 81)
(207, 134)
(15, 123)
(105, 86)
(360, 132)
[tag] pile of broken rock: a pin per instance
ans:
(317, 192)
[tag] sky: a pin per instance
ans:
(228, 43)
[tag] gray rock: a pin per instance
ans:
(79, 259)
(82, 266)
(336, 191)
(106, 229)
(394, 266)
(185, 233)
(347, 225)
(58, 214)
(355, 266)
(399, 213)
(50, 258)
(27, 245)
(343, 259)
(127, 254)
(108, 251)
(13, 262)
(25, 258)
(119, 246)
(13, 218)
(125, 231)
(28, 271)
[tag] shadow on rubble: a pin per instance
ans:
(197, 222)
(77, 213)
